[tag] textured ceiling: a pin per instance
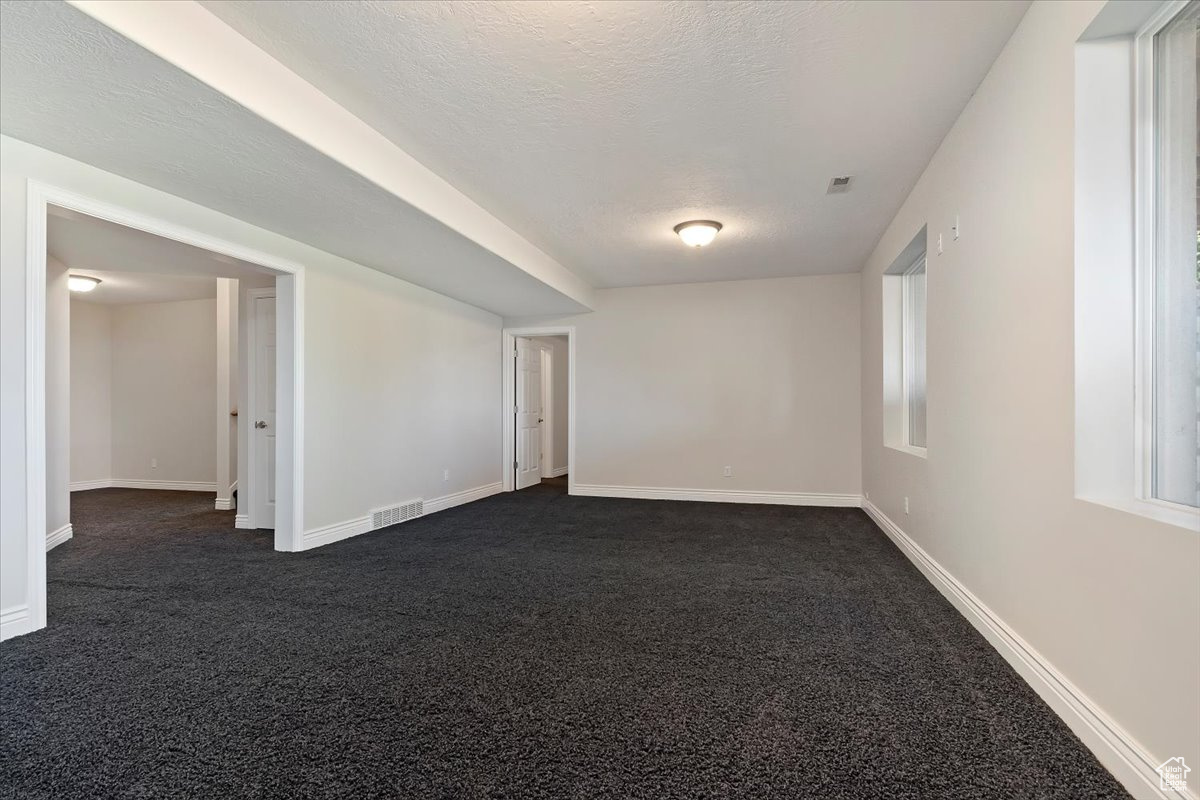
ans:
(139, 267)
(73, 86)
(593, 127)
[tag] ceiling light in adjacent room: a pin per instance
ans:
(698, 232)
(82, 283)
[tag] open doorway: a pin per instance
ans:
(539, 407)
(167, 343)
(141, 363)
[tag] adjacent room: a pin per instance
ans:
(151, 351)
(668, 399)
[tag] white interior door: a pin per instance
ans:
(528, 413)
(264, 412)
(547, 415)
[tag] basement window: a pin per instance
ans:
(1170, 264)
(904, 300)
(914, 353)
(1137, 261)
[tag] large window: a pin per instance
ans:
(1171, 264)
(914, 353)
(1137, 262)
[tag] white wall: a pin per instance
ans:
(1109, 598)
(400, 385)
(143, 385)
(91, 392)
(164, 387)
(429, 366)
(675, 382)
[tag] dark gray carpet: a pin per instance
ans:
(531, 645)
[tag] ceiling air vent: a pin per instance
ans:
(394, 515)
(839, 184)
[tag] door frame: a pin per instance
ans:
(508, 345)
(290, 384)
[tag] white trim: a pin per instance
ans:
(223, 504)
(15, 621)
(1115, 748)
(338, 531)
(720, 496)
(242, 522)
(173, 486)
(459, 498)
(37, 199)
(61, 535)
(289, 404)
(85, 486)
(559, 472)
(290, 281)
(508, 344)
(912, 450)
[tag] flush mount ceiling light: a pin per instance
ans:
(82, 283)
(698, 232)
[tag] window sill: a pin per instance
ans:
(920, 452)
(1158, 510)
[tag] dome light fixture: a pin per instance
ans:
(698, 232)
(82, 283)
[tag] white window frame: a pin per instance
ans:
(1145, 269)
(908, 338)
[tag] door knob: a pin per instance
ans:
(260, 424)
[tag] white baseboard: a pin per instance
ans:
(83, 486)
(1115, 748)
(223, 504)
(335, 533)
(59, 536)
(128, 483)
(353, 527)
(557, 473)
(242, 521)
(720, 496)
(14, 621)
(465, 496)
(175, 486)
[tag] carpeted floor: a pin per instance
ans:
(531, 645)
